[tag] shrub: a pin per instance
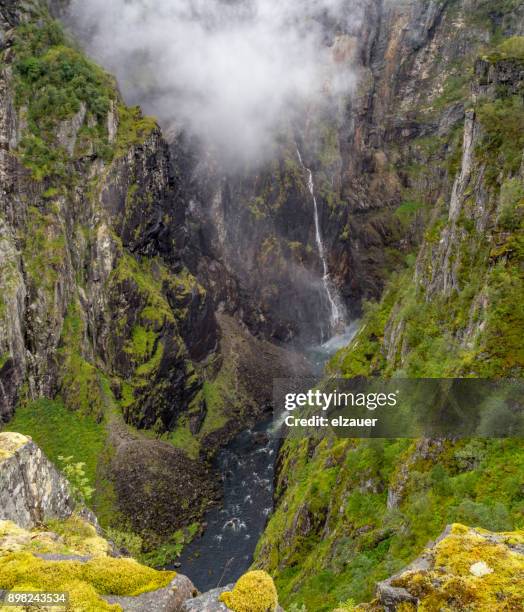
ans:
(254, 592)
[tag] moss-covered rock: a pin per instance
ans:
(466, 569)
(71, 556)
(254, 592)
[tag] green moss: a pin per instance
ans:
(133, 128)
(78, 536)
(148, 277)
(80, 381)
(503, 136)
(142, 342)
(99, 576)
(453, 581)
(254, 592)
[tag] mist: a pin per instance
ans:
(233, 73)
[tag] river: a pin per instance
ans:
(225, 550)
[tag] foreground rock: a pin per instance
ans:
(465, 569)
(208, 602)
(170, 599)
(31, 488)
(254, 592)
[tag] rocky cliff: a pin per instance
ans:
(49, 541)
(104, 326)
(359, 510)
(141, 281)
(379, 165)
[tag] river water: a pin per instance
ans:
(225, 550)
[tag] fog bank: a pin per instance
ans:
(231, 72)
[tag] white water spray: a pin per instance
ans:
(337, 319)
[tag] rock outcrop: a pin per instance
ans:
(31, 488)
(464, 569)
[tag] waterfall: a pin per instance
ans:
(337, 317)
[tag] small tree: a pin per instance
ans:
(75, 474)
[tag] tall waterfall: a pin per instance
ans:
(337, 319)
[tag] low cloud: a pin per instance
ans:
(233, 73)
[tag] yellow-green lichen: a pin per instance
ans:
(254, 592)
(472, 569)
(10, 443)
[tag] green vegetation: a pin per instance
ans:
(503, 136)
(337, 518)
(365, 358)
(61, 432)
(456, 314)
(133, 127)
(408, 210)
(81, 383)
(44, 248)
(147, 280)
(254, 592)
(55, 82)
(171, 549)
(76, 475)
(510, 49)
(456, 89)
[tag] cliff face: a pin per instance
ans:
(116, 250)
(100, 308)
(379, 166)
(95, 296)
(359, 510)
(97, 307)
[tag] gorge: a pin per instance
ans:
(332, 187)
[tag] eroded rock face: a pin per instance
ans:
(260, 225)
(31, 489)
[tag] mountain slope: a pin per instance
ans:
(350, 513)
